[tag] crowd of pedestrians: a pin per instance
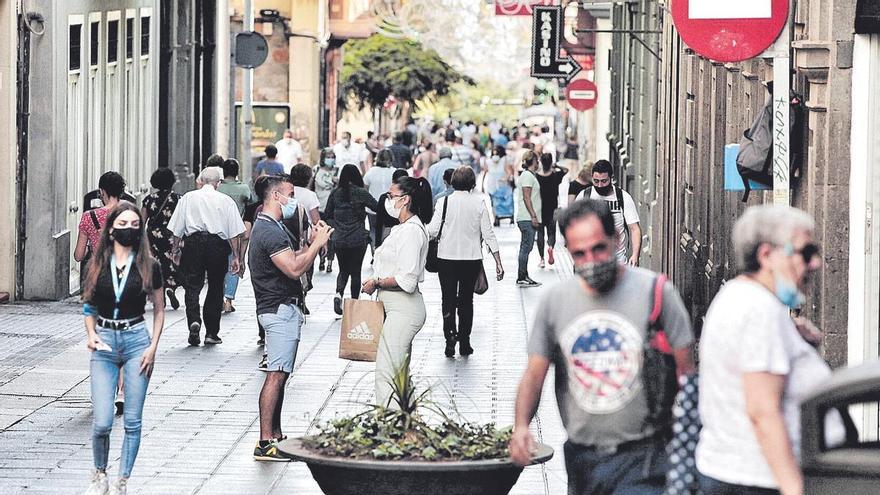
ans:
(618, 336)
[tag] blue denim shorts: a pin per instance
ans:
(282, 336)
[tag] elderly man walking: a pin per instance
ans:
(208, 223)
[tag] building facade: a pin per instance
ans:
(672, 114)
(88, 82)
(90, 87)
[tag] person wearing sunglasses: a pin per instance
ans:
(757, 362)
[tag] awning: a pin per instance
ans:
(868, 17)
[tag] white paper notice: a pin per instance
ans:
(727, 9)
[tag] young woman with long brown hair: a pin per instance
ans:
(121, 274)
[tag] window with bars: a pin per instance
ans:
(74, 61)
(95, 40)
(112, 41)
(145, 35)
(129, 38)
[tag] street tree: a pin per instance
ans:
(378, 67)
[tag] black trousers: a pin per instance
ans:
(548, 225)
(330, 251)
(350, 262)
(457, 280)
(204, 255)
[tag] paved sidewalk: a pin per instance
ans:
(200, 419)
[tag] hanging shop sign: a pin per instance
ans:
(546, 39)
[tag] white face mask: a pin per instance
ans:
(392, 211)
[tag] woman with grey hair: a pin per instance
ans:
(757, 362)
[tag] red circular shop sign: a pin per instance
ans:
(581, 94)
(729, 31)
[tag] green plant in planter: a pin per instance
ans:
(410, 427)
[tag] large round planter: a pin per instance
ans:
(341, 476)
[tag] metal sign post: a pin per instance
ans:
(247, 110)
(546, 41)
(781, 116)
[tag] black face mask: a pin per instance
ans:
(604, 191)
(130, 237)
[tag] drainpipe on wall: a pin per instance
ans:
(22, 116)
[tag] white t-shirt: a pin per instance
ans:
(307, 199)
(748, 330)
(351, 155)
(622, 217)
(290, 153)
(377, 180)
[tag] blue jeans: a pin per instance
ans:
(127, 348)
(230, 284)
(526, 244)
(282, 336)
(637, 469)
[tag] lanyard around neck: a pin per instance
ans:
(119, 283)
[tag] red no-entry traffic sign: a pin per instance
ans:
(729, 31)
(581, 94)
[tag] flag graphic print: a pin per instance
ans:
(604, 358)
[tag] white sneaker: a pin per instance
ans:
(120, 487)
(99, 484)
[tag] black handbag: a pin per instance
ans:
(432, 264)
(482, 284)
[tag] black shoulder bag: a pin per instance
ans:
(659, 368)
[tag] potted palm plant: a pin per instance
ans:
(413, 446)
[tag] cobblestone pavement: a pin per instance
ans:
(200, 420)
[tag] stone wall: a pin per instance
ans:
(700, 107)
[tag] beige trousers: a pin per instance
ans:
(404, 317)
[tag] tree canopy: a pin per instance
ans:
(378, 67)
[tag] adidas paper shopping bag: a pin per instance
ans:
(362, 321)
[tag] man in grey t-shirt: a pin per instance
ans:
(592, 329)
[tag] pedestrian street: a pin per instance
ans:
(200, 420)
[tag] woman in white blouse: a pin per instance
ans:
(462, 224)
(398, 268)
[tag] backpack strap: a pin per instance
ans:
(619, 192)
(656, 335)
(443, 219)
(95, 222)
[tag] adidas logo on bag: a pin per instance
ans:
(361, 332)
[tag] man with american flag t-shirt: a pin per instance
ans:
(593, 329)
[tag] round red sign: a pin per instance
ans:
(581, 94)
(729, 31)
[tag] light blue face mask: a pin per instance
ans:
(288, 210)
(329, 162)
(786, 290)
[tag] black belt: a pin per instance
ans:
(203, 234)
(119, 324)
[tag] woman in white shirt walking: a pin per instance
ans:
(398, 269)
(757, 363)
(462, 226)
